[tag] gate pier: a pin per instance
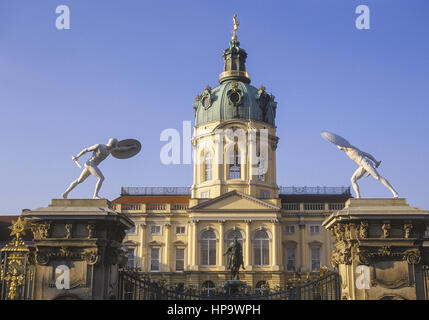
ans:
(77, 245)
(381, 249)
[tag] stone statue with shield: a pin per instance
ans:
(121, 150)
(367, 163)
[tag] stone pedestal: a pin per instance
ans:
(380, 249)
(77, 245)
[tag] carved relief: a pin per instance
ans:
(90, 256)
(412, 256)
(364, 257)
(342, 256)
(234, 97)
(363, 229)
(338, 232)
(91, 230)
(206, 97)
(407, 230)
(386, 230)
(41, 231)
(68, 228)
(385, 251)
(41, 258)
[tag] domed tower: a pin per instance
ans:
(235, 134)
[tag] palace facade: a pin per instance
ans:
(181, 234)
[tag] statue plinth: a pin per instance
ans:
(381, 249)
(234, 287)
(83, 236)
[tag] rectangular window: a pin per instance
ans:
(315, 258)
(265, 194)
(291, 259)
(261, 252)
(131, 262)
(205, 194)
(155, 229)
(154, 259)
(314, 229)
(180, 259)
(180, 230)
(290, 229)
(235, 165)
(208, 252)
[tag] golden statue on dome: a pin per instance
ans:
(236, 24)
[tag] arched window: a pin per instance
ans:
(208, 248)
(208, 288)
(261, 248)
(208, 164)
(231, 235)
(261, 287)
(235, 164)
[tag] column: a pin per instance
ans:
(189, 249)
(143, 249)
(274, 242)
(302, 245)
(196, 177)
(273, 169)
(217, 158)
(221, 243)
(252, 154)
(194, 244)
(248, 246)
(167, 249)
(326, 248)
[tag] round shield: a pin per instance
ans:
(131, 148)
(336, 139)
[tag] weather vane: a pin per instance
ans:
(236, 24)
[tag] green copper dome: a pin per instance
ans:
(234, 98)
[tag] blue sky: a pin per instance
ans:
(130, 69)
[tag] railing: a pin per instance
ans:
(155, 206)
(152, 191)
(179, 206)
(155, 191)
(130, 206)
(314, 206)
(290, 206)
(336, 206)
(132, 288)
(315, 190)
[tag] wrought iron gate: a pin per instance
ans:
(131, 287)
(426, 281)
(16, 274)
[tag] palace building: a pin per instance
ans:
(181, 234)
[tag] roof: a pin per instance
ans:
(220, 106)
(153, 199)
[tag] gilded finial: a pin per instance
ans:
(236, 24)
(18, 227)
